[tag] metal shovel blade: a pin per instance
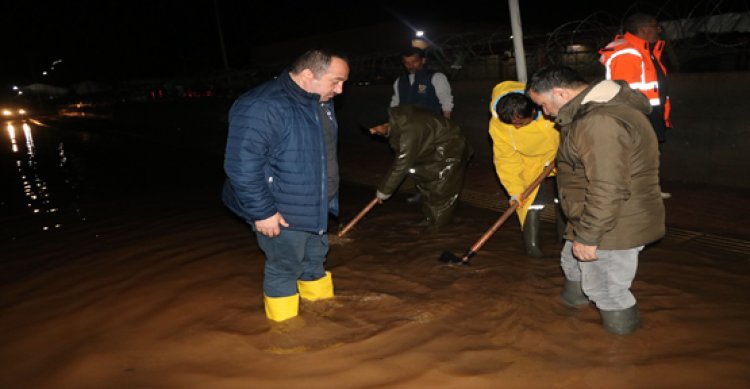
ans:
(449, 257)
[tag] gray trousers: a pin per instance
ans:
(607, 280)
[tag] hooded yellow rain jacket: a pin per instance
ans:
(520, 154)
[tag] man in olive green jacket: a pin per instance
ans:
(608, 181)
(430, 148)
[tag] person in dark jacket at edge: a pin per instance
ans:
(430, 148)
(608, 182)
(282, 176)
(421, 86)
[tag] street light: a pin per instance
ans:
(419, 40)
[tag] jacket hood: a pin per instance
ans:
(399, 117)
(503, 89)
(610, 93)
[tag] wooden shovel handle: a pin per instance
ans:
(483, 239)
(359, 216)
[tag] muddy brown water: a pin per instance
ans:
(161, 287)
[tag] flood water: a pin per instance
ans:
(122, 269)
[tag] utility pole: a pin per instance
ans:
(221, 36)
(517, 31)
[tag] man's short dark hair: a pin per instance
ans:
(317, 60)
(557, 76)
(514, 106)
(413, 51)
(637, 20)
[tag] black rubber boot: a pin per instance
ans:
(532, 234)
(622, 322)
(572, 294)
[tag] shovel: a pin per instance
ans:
(359, 217)
(449, 257)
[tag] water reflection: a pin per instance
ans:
(12, 135)
(42, 203)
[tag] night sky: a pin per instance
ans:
(167, 38)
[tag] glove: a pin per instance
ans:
(515, 198)
(382, 196)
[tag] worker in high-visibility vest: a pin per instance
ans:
(635, 58)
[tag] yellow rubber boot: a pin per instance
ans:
(281, 308)
(319, 289)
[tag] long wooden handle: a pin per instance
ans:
(359, 216)
(483, 239)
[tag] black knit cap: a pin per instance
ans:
(374, 116)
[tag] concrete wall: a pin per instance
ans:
(710, 142)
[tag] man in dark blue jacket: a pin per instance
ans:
(282, 176)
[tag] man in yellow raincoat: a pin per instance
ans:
(523, 142)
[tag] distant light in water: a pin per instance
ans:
(29, 139)
(12, 136)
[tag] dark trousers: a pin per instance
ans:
(292, 256)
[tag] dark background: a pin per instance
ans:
(115, 40)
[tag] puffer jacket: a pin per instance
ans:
(275, 157)
(608, 168)
(520, 154)
(425, 144)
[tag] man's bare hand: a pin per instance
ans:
(270, 227)
(584, 253)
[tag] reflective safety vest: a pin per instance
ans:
(627, 58)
